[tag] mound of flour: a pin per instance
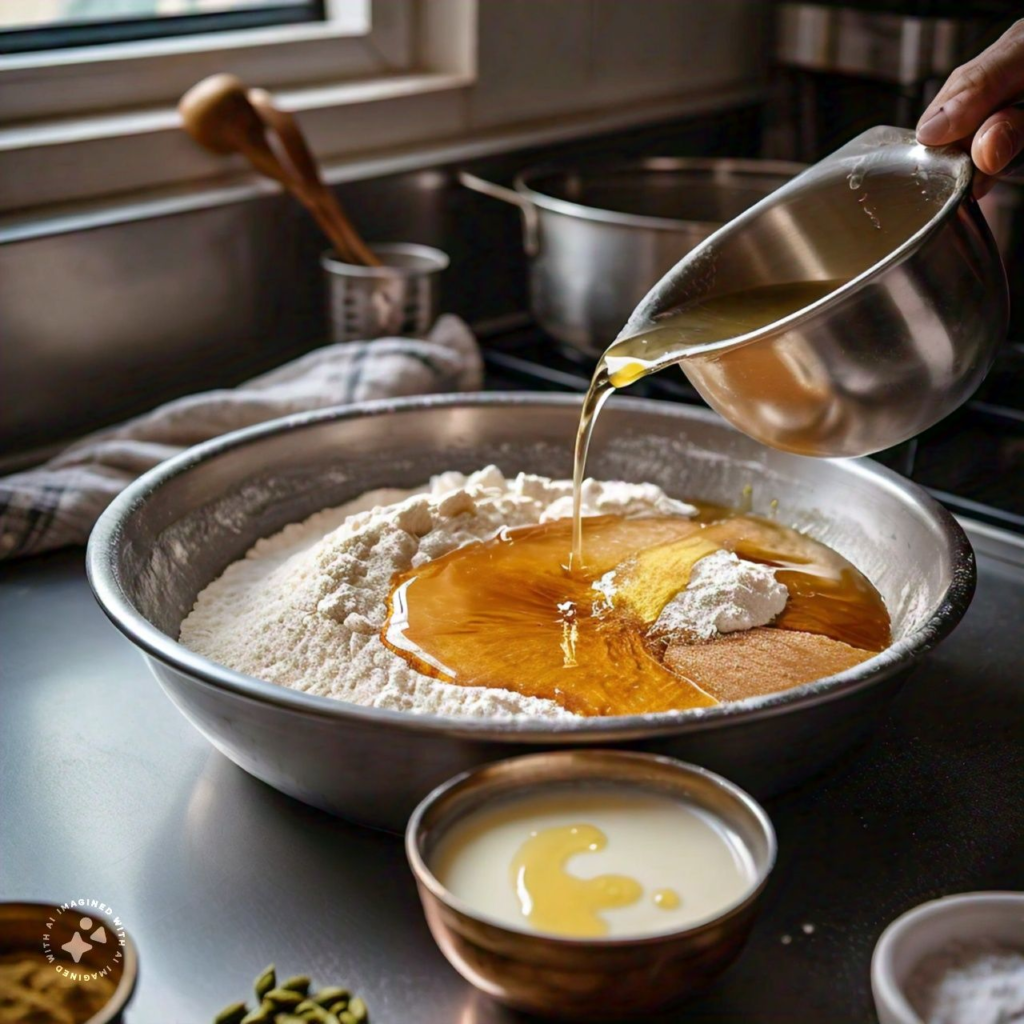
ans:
(725, 594)
(305, 607)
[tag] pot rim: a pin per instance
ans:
(738, 166)
(104, 543)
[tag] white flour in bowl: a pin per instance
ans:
(305, 607)
(725, 594)
(969, 984)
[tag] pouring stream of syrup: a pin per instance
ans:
(685, 334)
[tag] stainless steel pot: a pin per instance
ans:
(904, 340)
(176, 529)
(597, 238)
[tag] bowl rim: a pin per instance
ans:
(101, 562)
(125, 989)
(887, 992)
(426, 877)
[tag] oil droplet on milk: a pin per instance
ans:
(594, 860)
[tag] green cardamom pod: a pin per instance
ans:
(266, 981)
(232, 1014)
(330, 995)
(283, 998)
(263, 1014)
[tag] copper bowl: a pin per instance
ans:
(592, 979)
(22, 930)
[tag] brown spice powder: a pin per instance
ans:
(760, 661)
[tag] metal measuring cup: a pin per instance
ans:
(898, 346)
(398, 298)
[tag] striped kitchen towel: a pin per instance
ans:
(57, 503)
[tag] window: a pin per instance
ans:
(88, 122)
(32, 25)
(348, 39)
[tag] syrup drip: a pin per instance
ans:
(686, 333)
(506, 613)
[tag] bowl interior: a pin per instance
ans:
(24, 925)
(972, 917)
(177, 528)
(842, 218)
(739, 814)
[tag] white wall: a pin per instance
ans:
(547, 58)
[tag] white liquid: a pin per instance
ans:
(661, 842)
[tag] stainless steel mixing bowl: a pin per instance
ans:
(901, 344)
(175, 529)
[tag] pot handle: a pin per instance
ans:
(531, 220)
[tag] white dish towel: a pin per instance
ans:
(57, 503)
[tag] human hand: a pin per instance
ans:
(975, 107)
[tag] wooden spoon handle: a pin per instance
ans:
(218, 114)
(359, 251)
(286, 129)
(288, 132)
(272, 168)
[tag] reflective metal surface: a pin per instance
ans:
(179, 526)
(904, 342)
(108, 793)
(599, 237)
(398, 298)
(596, 979)
(105, 312)
(890, 46)
(106, 322)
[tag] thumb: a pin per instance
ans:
(998, 141)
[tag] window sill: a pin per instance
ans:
(239, 185)
(146, 150)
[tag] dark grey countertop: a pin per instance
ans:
(109, 794)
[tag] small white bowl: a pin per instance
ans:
(968, 917)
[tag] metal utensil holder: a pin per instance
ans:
(398, 298)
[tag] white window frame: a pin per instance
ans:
(85, 125)
(360, 38)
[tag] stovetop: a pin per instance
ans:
(973, 461)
